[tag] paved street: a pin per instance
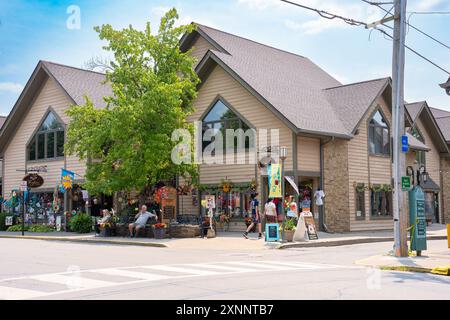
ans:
(33, 269)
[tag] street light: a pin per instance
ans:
(283, 157)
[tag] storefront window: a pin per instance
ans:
(48, 142)
(379, 135)
(381, 203)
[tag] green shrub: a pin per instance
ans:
(290, 225)
(2, 221)
(39, 228)
(81, 223)
(17, 228)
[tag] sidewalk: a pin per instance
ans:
(229, 240)
(431, 262)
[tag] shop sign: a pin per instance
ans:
(9, 221)
(406, 183)
(274, 172)
(37, 169)
(272, 232)
(310, 226)
(33, 180)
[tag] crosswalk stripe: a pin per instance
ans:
(260, 267)
(299, 265)
(133, 274)
(73, 281)
(8, 293)
(226, 268)
(181, 269)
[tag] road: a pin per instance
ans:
(33, 269)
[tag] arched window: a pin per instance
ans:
(379, 137)
(220, 118)
(48, 141)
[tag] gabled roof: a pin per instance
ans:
(446, 85)
(414, 109)
(421, 110)
(76, 83)
(443, 120)
(2, 121)
(292, 86)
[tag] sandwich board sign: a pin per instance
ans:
(272, 232)
(310, 226)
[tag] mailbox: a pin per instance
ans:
(417, 220)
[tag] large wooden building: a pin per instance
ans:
(338, 137)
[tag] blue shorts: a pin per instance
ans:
(256, 219)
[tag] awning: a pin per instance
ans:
(415, 144)
(430, 185)
(292, 183)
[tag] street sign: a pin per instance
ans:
(406, 183)
(405, 144)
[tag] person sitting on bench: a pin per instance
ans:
(140, 222)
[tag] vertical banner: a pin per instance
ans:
(67, 178)
(274, 172)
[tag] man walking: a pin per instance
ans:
(256, 217)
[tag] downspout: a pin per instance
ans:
(322, 211)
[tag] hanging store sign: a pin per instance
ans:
(37, 169)
(274, 171)
(33, 180)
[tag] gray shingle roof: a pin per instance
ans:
(311, 99)
(414, 109)
(443, 120)
(79, 82)
(2, 121)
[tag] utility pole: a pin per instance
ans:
(398, 117)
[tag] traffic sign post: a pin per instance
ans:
(23, 188)
(406, 183)
(405, 144)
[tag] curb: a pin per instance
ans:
(337, 243)
(95, 241)
(441, 271)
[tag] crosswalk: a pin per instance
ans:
(42, 285)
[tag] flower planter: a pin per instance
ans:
(159, 233)
(106, 232)
(289, 235)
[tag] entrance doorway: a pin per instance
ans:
(432, 206)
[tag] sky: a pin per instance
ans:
(62, 31)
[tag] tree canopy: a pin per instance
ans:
(128, 144)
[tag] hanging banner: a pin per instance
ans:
(274, 171)
(67, 178)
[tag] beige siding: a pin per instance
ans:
(368, 170)
(221, 83)
(200, 47)
(308, 154)
(432, 157)
(53, 96)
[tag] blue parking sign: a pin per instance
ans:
(405, 144)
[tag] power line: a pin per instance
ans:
(327, 15)
(354, 22)
(410, 25)
(429, 12)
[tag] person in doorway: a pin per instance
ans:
(140, 221)
(256, 217)
(319, 195)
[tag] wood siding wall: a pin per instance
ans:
(308, 154)
(51, 95)
(367, 169)
(200, 47)
(219, 82)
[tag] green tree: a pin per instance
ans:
(128, 144)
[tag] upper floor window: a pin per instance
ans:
(379, 138)
(48, 141)
(221, 118)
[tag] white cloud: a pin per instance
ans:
(11, 87)
(424, 5)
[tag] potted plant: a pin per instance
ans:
(106, 229)
(225, 221)
(289, 229)
(159, 230)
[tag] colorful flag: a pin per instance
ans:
(274, 171)
(67, 178)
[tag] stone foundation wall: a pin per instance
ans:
(336, 186)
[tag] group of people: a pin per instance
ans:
(140, 221)
(271, 211)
